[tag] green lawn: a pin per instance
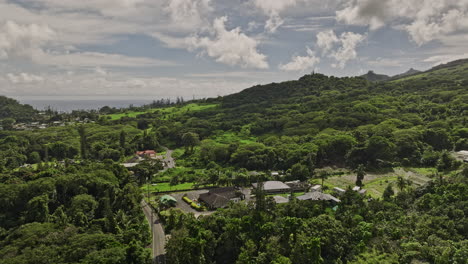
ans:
(164, 187)
(375, 184)
(230, 137)
(126, 114)
(168, 111)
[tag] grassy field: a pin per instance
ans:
(166, 112)
(230, 137)
(165, 187)
(376, 183)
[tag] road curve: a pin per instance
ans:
(159, 237)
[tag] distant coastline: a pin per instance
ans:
(68, 104)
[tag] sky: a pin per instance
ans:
(149, 49)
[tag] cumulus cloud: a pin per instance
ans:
(349, 42)
(24, 78)
(326, 40)
(301, 63)
(423, 20)
(23, 40)
(231, 47)
(342, 48)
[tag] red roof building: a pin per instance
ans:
(146, 153)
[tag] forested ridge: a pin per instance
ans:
(10, 108)
(66, 198)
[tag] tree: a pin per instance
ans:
(388, 193)
(190, 140)
(8, 123)
(34, 157)
(83, 142)
(360, 173)
(122, 139)
(401, 183)
(299, 172)
(38, 209)
(306, 250)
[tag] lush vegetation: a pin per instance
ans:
(424, 224)
(77, 204)
(86, 213)
(11, 111)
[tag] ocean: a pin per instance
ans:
(67, 104)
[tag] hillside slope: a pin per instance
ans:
(10, 108)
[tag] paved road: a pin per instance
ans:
(159, 237)
(169, 160)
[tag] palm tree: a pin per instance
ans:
(401, 183)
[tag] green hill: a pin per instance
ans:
(10, 108)
(373, 77)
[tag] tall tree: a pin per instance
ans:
(83, 142)
(360, 173)
(190, 140)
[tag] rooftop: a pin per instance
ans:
(318, 196)
(273, 185)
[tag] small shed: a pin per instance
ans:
(338, 190)
(316, 188)
(280, 199)
(168, 200)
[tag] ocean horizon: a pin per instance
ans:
(68, 104)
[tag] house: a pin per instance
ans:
(356, 188)
(318, 196)
(274, 187)
(298, 185)
(129, 165)
(221, 197)
(146, 154)
(338, 191)
(316, 188)
(362, 191)
(280, 199)
(462, 155)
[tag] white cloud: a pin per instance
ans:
(301, 63)
(342, 49)
(423, 20)
(347, 51)
(231, 47)
(23, 40)
(23, 77)
(326, 40)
